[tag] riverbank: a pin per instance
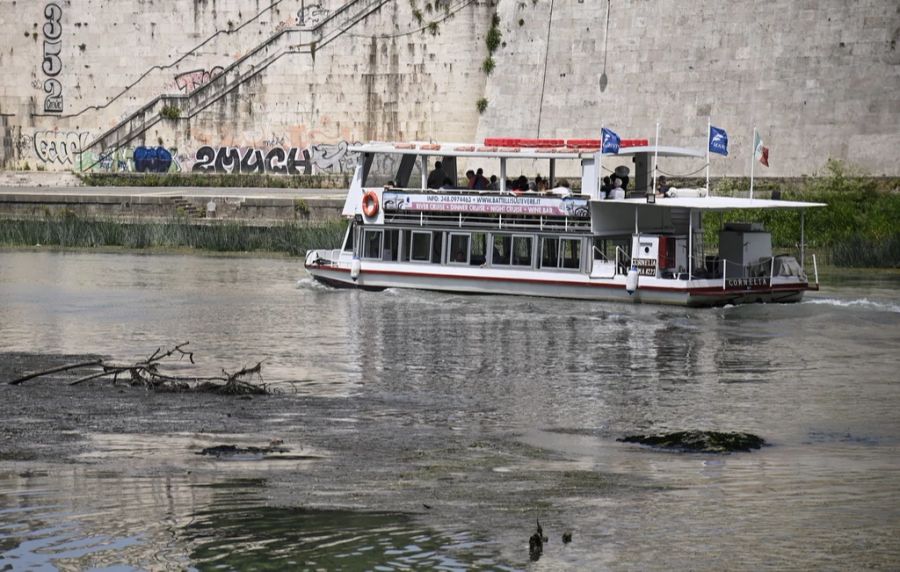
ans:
(292, 238)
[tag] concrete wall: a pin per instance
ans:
(818, 78)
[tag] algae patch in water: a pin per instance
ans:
(699, 441)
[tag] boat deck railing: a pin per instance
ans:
(716, 268)
(486, 221)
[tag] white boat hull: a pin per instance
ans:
(378, 276)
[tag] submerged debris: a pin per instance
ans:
(699, 441)
(567, 537)
(231, 450)
(536, 543)
(146, 373)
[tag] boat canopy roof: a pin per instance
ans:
(516, 152)
(716, 203)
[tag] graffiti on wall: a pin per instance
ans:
(52, 64)
(311, 16)
(277, 160)
(191, 80)
(60, 147)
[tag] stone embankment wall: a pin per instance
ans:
(818, 79)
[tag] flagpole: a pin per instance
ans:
(708, 135)
(655, 157)
(752, 160)
(597, 194)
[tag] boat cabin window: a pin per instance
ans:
(570, 253)
(437, 244)
(561, 252)
(420, 246)
(550, 252)
(521, 251)
(502, 251)
(350, 239)
(479, 249)
(371, 245)
(391, 246)
(459, 249)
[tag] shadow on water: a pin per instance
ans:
(270, 538)
(145, 524)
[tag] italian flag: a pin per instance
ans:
(759, 151)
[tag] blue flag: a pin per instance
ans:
(609, 141)
(718, 141)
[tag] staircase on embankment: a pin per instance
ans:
(293, 40)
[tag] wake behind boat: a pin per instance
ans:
(640, 248)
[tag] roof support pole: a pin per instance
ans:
(635, 221)
(424, 172)
(690, 243)
(552, 182)
(802, 240)
(503, 174)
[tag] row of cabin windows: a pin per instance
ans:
(471, 248)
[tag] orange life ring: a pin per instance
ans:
(370, 204)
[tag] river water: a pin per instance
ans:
(430, 431)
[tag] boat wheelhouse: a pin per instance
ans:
(639, 248)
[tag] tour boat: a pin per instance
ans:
(635, 248)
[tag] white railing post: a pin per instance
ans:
(724, 271)
(816, 268)
(771, 271)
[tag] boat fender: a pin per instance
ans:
(631, 281)
(355, 267)
(370, 204)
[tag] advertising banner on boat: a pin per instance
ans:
(487, 204)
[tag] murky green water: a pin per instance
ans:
(434, 429)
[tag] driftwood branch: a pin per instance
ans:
(147, 373)
(55, 370)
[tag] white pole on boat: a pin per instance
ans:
(502, 174)
(752, 159)
(655, 158)
(424, 172)
(598, 163)
(690, 242)
(708, 133)
(552, 182)
(635, 219)
(802, 241)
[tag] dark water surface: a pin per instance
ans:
(435, 428)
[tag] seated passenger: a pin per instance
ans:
(562, 188)
(481, 183)
(617, 192)
(662, 186)
(494, 185)
(436, 176)
(448, 184)
(470, 177)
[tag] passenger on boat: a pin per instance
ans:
(470, 178)
(622, 173)
(540, 184)
(481, 182)
(437, 176)
(605, 187)
(494, 185)
(562, 189)
(662, 186)
(448, 183)
(616, 192)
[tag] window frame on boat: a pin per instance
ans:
(513, 238)
(365, 244)
(451, 257)
(412, 240)
(559, 265)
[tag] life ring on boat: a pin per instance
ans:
(370, 204)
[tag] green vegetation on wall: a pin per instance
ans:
(859, 227)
